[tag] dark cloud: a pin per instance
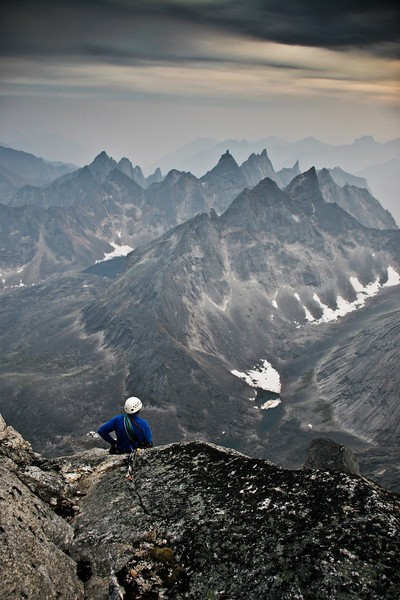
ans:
(322, 24)
(95, 28)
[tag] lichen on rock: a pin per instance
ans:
(197, 522)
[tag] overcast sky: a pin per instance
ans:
(141, 78)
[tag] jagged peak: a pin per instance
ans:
(125, 161)
(264, 194)
(306, 179)
(325, 173)
(122, 177)
(155, 177)
(101, 157)
(257, 157)
(157, 173)
(227, 167)
(267, 185)
(102, 164)
(174, 175)
(305, 188)
(227, 156)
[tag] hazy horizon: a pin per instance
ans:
(143, 79)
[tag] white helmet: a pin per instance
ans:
(133, 405)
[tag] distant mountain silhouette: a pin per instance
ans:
(362, 157)
(19, 168)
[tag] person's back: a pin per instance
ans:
(130, 429)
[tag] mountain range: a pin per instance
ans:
(79, 217)
(243, 289)
(376, 162)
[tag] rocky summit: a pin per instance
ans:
(194, 521)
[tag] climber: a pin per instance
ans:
(131, 430)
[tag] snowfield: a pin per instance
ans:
(265, 377)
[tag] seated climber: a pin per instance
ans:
(130, 430)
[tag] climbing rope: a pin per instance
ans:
(131, 463)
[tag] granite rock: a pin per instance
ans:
(327, 455)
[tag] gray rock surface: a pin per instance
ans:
(34, 540)
(327, 455)
(194, 521)
(13, 446)
(360, 380)
(355, 200)
(201, 522)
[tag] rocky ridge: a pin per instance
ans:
(35, 541)
(196, 521)
(355, 200)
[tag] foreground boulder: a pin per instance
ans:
(327, 455)
(199, 521)
(196, 521)
(34, 540)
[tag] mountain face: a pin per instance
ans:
(81, 186)
(219, 294)
(226, 180)
(342, 178)
(35, 243)
(287, 174)
(384, 180)
(357, 201)
(258, 167)
(354, 387)
(203, 522)
(18, 169)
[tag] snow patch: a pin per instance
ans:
(262, 376)
(270, 404)
(343, 306)
(118, 251)
(393, 278)
(330, 314)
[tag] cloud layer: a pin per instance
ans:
(101, 73)
(164, 30)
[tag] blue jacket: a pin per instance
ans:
(143, 437)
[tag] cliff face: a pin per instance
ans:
(34, 540)
(359, 399)
(196, 521)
